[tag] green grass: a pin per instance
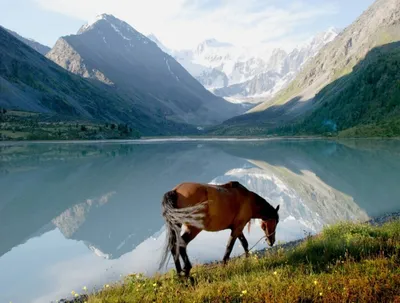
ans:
(345, 263)
(20, 125)
(390, 128)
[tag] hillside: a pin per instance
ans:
(30, 82)
(43, 49)
(363, 103)
(111, 51)
(377, 26)
(345, 263)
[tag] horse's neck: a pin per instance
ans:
(260, 209)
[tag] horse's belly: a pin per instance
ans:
(219, 216)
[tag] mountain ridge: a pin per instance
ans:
(112, 51)
(42, 49)
(31, 82)
(378, 25)
(233, 73)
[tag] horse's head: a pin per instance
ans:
(269, 226)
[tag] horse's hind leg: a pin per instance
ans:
(189, 234)
(175, 254)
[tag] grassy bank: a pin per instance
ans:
(345, 263)
(19, 125)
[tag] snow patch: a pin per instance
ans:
(119, 32)
(90, 23)
(170, 71)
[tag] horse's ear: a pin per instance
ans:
(277, 208)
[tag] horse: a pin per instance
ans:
(193, 207)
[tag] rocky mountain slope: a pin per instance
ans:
(43, 49)
(111, 51)
(377, 26)
(31, 82)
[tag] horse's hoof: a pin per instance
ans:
(191, 280)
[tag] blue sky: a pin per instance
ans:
(184, 23)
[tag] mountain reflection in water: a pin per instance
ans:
(83, 214)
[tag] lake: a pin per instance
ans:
(83, 214)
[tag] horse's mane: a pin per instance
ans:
(249, 225)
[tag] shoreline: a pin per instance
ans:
(177, 139)
(375, 221)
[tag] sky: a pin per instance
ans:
(182, 24)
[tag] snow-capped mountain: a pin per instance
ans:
(243, 75)
(279, 71)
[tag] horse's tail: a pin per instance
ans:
(174, 219)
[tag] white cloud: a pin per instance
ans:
(184, 23)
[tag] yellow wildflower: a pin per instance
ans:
(155, 284)
(315, 282)
(320, 294)
(72, 292)
(84, 288)
(107, 286)
(76, 295)
(275, 273)
(244, 292)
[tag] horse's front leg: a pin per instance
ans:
(229, 247)
(236, 232)
(244, 243)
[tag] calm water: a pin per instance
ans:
(74, 215)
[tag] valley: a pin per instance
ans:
(336, 83)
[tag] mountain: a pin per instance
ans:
(111, 51)
(363, 103)
(153, 38)
(331, 74)
(278, 71)
(238, 74)
(218, 64)
(31, 82)
(43, 49)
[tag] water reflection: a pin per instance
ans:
(83, 214)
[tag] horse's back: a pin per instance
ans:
(192, 188)
(191, 193)
(224, 202)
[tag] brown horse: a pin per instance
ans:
(193, 207)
